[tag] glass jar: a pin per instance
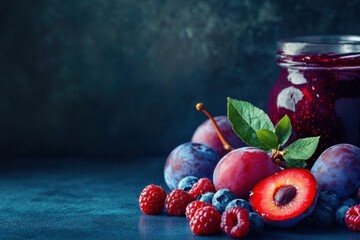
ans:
(319, 89)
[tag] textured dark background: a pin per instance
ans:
(120, 78)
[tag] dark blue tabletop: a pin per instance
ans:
(71, 199)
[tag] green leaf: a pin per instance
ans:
(283, 130)
(301, 149)
(294, 163)
(268, 138)
(246, 119)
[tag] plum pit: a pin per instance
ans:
(284, 195)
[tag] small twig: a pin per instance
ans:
(281, 163)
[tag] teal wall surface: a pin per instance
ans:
(120, 78)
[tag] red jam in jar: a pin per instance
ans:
(319, 89)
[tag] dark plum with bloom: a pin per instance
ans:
(189, 159)
(337, 170)
(206, 134)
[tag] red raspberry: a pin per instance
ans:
(202, 186)
(206, 220)
(193, 206)
(352, 218)
(152, 199)
(235, 222)
(177, 201)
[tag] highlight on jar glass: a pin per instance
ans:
(319, 89)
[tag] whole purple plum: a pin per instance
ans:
(206, 134)
(338, 170)
(189, 159)
(241, 169)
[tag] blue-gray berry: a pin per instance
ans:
(222, 198)
(340, 215)
(323, 215)
(206, 197)
(330, 199)
(348, 202)
(239, 203)
(187, 182)
(356, 199)
(256, 223)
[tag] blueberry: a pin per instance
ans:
(187, 182)
(322, 215)
(256, 223)
(357, 199)
(239, 203)
(330, 199)
(222, 198)
(348, 202)
(206, 197)
(340, 215)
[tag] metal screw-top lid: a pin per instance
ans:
(320, 52)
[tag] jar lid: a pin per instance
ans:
(316, 52)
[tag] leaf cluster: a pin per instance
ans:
(255, 128)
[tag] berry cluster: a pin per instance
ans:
(207, 210)
(226, 213)
(331, 209)
(153, 199)
(215, 211)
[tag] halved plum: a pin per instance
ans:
(286, 197)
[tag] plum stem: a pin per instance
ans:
(226, 145)
(275, 154)
(281, 163)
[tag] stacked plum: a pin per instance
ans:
(199, 157)
(207, 134)
(220, 184)
(338, 169)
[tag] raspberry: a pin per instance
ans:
(202, 186)
(235, 222)
(352, 218)
(205, 221)
(152, 199)
(193, 206)
(176, 202)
